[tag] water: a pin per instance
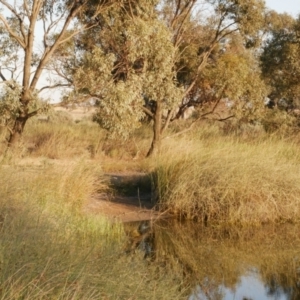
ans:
(250, 286)
(226, 263)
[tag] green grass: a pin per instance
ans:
(50, 250)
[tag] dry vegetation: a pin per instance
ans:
(227, 179)
(50, 249)
(227, 174)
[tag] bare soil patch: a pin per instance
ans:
(123, 209)
(130, 199)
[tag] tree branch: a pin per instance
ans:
(168, 120)
(185, 13)
(2, 76)
(201, 118)
(6, 81)
(36, 7)
(148, 112)
(224, 119)
(54, 86)
(33, 113)
(18, 16)
(13, 34)
(74, 10)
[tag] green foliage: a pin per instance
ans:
(120, 105)
(247, 14)
(11, 107)
(215, 57)
(237, 76)
(9, 103)
(280, 57)
(145, 73)
(121, 112)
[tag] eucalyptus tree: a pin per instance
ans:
(148, 56)
(236, 76)
(280, 58)
(54, 22)
(129, 64)
(202, 35)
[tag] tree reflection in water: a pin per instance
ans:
(223, 262)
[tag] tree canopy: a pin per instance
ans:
(146, 58)
(21, 22)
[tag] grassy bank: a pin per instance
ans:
(215, 178)
(50, 250)
(213, 174)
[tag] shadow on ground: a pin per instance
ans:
(129, 199)
(133, 189)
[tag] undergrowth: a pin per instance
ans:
(51, 250)
(228, 179)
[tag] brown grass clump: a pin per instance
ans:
(61, 139)
(223, 179)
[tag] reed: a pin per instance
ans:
(51, 250)
(226, 179)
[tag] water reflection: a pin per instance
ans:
(225, 262)
(250, 286)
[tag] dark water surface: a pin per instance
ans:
(226, 262)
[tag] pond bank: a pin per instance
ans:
(129, 199)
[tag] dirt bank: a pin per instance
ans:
(129, 200)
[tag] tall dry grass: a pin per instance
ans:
(50, 250)
(62, 138)
(216, 178)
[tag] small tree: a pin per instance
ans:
(132, 66)
(21, 22)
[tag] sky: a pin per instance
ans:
(290, 6)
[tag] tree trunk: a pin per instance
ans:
(156, 141)
(17, 130)
(16, 133)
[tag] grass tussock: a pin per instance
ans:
(51, 250)
(224, 179)
(60, 140)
